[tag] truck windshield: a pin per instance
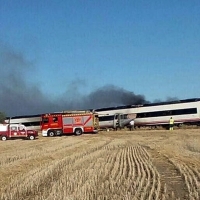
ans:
(21, 128)
(45, 120)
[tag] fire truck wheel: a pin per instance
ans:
(78, 131)
(51, 133)
(31, 137)
(3, 138)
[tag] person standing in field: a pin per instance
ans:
(117, 125)
(171, 124)
(131, 125)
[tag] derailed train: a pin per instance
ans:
(158, 114)
(153, 114)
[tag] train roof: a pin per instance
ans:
(173, 102)
(70, 112)
(149, 104)
(23, 116)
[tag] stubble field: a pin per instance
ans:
(140, 164)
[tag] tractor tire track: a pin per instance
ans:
(169, 175)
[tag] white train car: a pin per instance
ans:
(154, 114)
(32, 122)
(183, 112)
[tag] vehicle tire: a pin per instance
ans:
(3, 138)
(58, 133)
(31, 137)
(78, 131)
(51, 133)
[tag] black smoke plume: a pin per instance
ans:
(18, 97)
(111, 95)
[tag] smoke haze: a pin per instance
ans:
(18, 97)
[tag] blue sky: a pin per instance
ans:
(146, 47)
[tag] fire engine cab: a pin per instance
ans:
(9, 131)
(69, 122)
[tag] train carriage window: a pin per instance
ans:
(125, 116)
(31, 123)
(122, 116)
(184, 111)
(139, 115)
(106, 118)
(168, 113)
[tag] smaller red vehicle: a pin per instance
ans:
(9, 131)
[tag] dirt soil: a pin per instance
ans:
(139, 164)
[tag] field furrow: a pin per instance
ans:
(191, 177)
(109, 165)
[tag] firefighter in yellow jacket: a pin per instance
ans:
(171, 124)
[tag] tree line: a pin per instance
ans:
(2, 117)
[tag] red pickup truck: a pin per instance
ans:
(9, 131)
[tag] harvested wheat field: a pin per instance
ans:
(140, 164)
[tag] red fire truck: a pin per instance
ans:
(72, 122)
